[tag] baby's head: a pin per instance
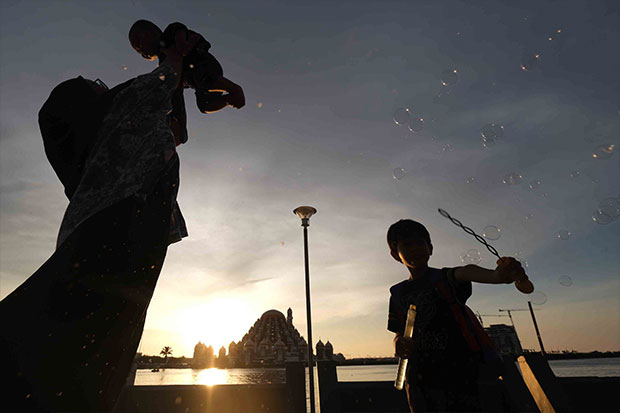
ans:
(144, 38)
(410, 243)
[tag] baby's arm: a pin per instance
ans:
(235, 96)
(507, 271)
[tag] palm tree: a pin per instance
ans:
(166, 351)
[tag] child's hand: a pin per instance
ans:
(403, 347)
(508, 270)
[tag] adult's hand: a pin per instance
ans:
(175, 59)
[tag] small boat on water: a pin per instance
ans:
(155, 369)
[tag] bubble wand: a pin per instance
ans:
(526, 286)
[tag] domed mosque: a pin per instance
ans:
(273, 339)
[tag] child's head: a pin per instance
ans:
(144, 38)
(409, 242)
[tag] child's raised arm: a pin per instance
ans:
(508, 270)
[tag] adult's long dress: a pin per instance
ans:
(70, 332)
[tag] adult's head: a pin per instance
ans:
(144, 37)
(69, 121)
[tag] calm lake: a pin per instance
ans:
(609, 367)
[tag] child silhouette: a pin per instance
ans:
(449, 352)
(201, 70)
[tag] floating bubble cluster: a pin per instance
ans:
(491, 232)
(564, 234)
(471, 180)
(416, 124)
(604, 151)
(575, 174)
(401, 116)
(471, 257)
(447, 148)
(399, 173)
(565, 280)
(490, 133)
(512, 179)
(449, 77)
(529, 217)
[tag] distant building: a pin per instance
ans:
(203, 356)
(505, 338)
(273, 339)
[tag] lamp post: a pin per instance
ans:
(542, 348)
(305, 212)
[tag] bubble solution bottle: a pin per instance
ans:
(402, 363)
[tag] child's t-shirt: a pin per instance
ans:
(441, 356)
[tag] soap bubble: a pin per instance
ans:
(401, 116)
(471, 257)
(575, 174)
(564, 234)
(491, 131)
(259, 105)
(124, 67)
(449, 77)
(512, 178)
(535, 186)
(399, 173)
(491, 232)
(604, 151)
(597, 137)
(447, 148)
(471, 180)
(565, 280)
(608, 211)
(530, 61)
(610, 207)
(601, 218)
(529, 217)
(416, 124)
(519, 257)
(538, 298)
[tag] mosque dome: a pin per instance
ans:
(320, 344)
(272, 314)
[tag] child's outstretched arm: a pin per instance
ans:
(508, 270)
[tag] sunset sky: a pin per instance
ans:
(322, 81)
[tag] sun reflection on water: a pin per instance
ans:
(211, 377)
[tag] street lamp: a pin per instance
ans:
(305, 212)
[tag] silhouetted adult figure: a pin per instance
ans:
(71, 330)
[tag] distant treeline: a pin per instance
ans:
(567, 355)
